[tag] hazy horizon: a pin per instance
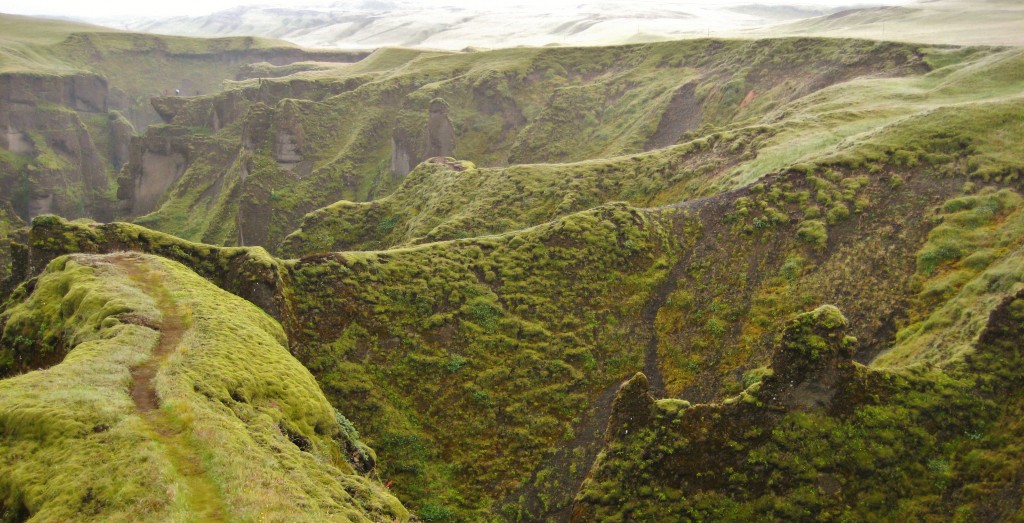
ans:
(132, 9)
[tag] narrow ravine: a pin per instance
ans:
(650, 313)
(582, 451)
(201, 496)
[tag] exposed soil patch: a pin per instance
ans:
(202, 496)
(684, 113)
(172, 328)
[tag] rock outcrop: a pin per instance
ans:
(811, 366)
(410, 147)
(64, 143)
(156, 161)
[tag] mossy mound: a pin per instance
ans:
(242, 431)
(885, 445)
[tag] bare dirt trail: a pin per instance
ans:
(202, 498)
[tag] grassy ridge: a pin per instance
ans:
(507, 106)
(864, 116)
(438, 202)
(76, 446)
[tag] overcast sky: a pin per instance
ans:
(116, 8)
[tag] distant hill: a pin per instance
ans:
(364, 25)
(431, 25)
(958, 22)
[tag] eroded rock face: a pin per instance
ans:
(16, 141)
(61, 167)
(409, 147)
(401, 156)
(156, 162)
(289, 140)
(440, 132)
(684, 113)
(81, 92)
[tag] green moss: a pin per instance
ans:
(475, 342)
(813, 232)
(233, 404)
(970, 262)
(890, 445)
(511, 106)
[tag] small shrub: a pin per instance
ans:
(813, 232)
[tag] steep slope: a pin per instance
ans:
(164, 398)
(72, 97)
(436, 202)
(818, 437)
(271, 150)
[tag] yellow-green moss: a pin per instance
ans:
(251, 418)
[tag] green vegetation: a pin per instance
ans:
(973, 258)
(870, 444)
(470, 359)
(353, 126)
(241, 428)
(475, 317)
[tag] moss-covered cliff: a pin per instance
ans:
(73, 96)
(351, 133)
